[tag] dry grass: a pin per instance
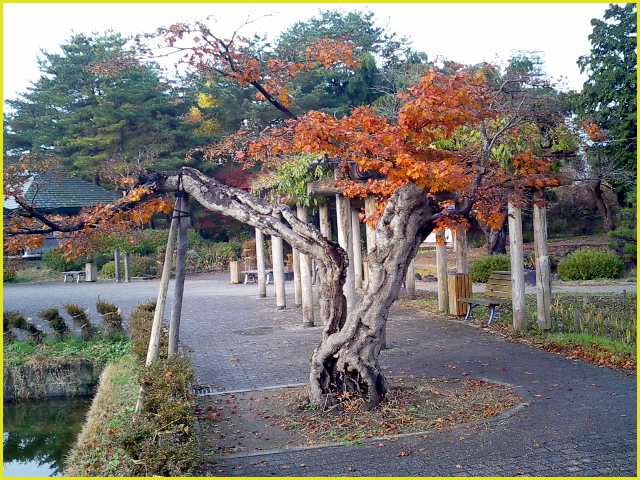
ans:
(117, 394)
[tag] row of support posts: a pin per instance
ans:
(348, 233)
(127, 263)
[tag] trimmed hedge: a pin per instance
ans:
(481, 269)
(587, 264)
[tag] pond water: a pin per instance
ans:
(38, 435)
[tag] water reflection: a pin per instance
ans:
(38, 435)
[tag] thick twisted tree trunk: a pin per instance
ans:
(347, 357)
(601, 203)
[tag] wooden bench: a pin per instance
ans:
(496, 294)
(74, 274)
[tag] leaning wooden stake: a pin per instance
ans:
(517, 268)
(178, 289)
(156, 327)
(543, 269)
(441, 266)
(262, 280)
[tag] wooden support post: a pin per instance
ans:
(262, 281)
(517, 268)
(156, 327)
(441, 267)
(411, 279)
(462, 263)
(297, 281)
(306, 277)
(357, 248)
(325, 219)
(543, 268)
(343, 209)
(178, 289)
(127, 264)
(369, 210)
(116, 261)
(277, 259)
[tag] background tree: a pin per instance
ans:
(96, 104)
(608, 96)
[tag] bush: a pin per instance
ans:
(138, 267)
(81, 318)
(8, 273)
(111, 318)
(55, 260)
(15, 319)
(481, 269)
(587, 264)
(140, 330)
(52, 315)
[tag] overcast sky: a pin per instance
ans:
(466, 33)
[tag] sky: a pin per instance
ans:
(465, 33)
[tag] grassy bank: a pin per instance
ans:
(161, 441)
(51, 350)
(597, 328)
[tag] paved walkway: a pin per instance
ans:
(581, 421)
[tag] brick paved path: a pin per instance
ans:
(581, 421)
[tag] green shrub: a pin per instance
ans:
(15, 319)
(81, 318)
(138, 267)
(52, 315)
(55, 260)
(8, 273)
(481, 269)
(111, 318)
(587, 264)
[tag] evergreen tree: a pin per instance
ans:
(95, 103)
(609, 95)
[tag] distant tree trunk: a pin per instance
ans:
(496, 240)
(603, 208)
